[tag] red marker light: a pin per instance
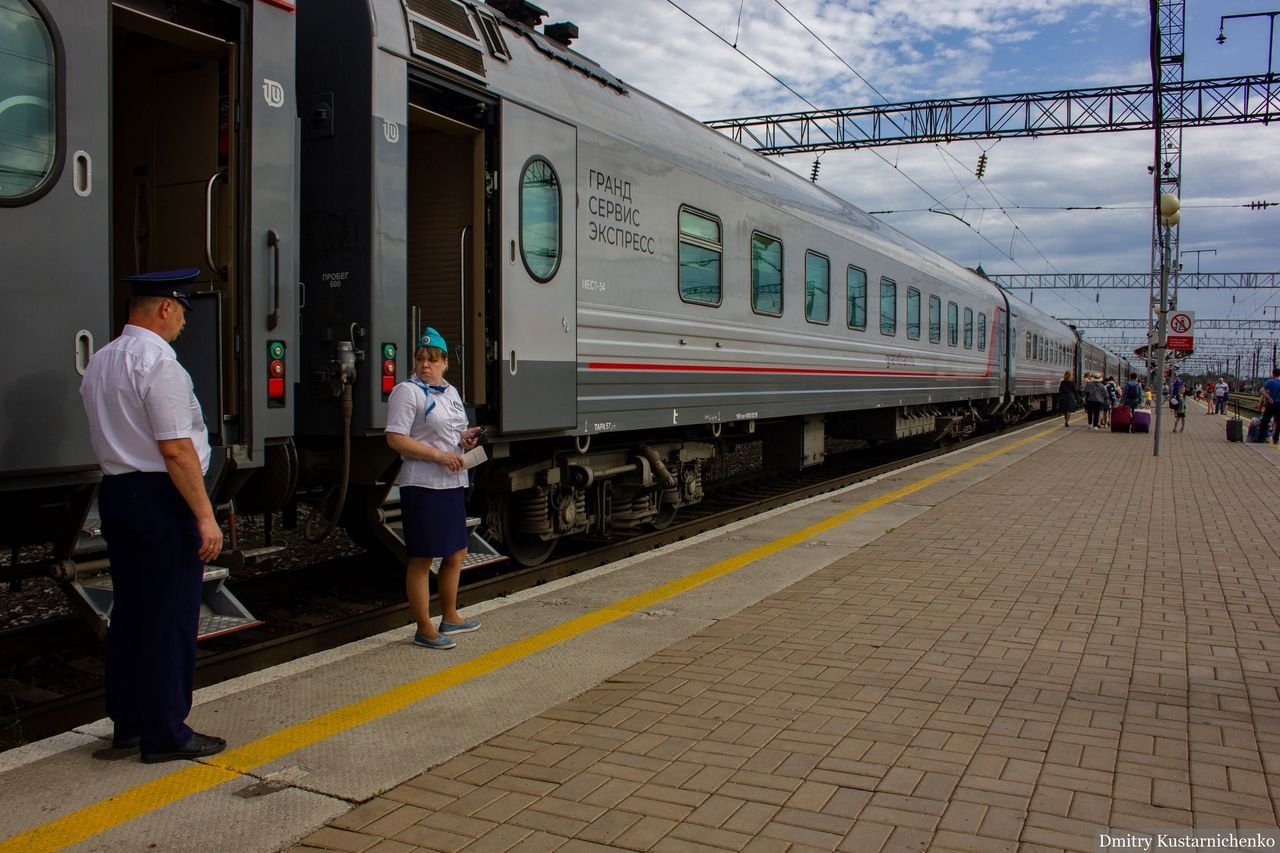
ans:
(388, 382)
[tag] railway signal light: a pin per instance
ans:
(275, 373)
(388, 369)
(982, 166)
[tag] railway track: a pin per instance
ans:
(378, 600)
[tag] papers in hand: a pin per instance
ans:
(474, 457)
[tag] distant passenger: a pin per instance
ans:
(1067, 395)
(1270, 399)
(149, 436)
(1133, 392)
(427, 426)
(1178, 403)
(1113, 399)
(1095, 399)
(1220, 392)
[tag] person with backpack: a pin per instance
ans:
(1095, 399)
(1270, 401)
(1178, 403)
(1132, 394)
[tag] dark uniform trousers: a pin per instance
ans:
(156, 573)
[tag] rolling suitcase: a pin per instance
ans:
(1141, 421)
(1235, 429)
(1120, 418)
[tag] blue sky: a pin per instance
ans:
(911, 51)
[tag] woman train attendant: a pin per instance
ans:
(427, 426)
(1067, 397)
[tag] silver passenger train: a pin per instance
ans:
(626, 292)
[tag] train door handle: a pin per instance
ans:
(209, 254)
(273, 241)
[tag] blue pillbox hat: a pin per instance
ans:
(432, 338)
(171, 283)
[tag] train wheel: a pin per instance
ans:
(528, 550)
(666, 515)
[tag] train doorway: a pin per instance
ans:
(446, 242)
(175, 178)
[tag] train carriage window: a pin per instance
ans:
(888, 306)
(539, 218)
(856, 284)
(766, 274)
(1035, 347)
(700, 257)
(968, 328)
(913, 314)
(953, 324)
(817, 288)
(1028, 345)
(982, 332)
(935, 320)
(29, 112)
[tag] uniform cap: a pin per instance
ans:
(432, 338)
(175, 284)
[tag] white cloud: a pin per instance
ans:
(911, 50)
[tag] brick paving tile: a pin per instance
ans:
(719, 839)
(386, 845)
(365, 814)
(609, 826)
(432, 839)
(389, 824)
(508, 804)
(536, 842)
(330, 838)
(644, 834)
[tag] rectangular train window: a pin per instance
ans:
(913, 314)
(982, 332)
(953, 325)
(888, 306)
(700, 257)
(1028, 345)
(766, 274)
(856, 284)
(968, 328)
(1035, 347)
(935, 320)
(817, 288)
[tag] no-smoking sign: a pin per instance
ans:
(1181, 330)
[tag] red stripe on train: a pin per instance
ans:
(743, 368)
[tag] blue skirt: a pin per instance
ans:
(435, 521)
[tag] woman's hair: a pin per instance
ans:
(1066, 374)
(434, 354)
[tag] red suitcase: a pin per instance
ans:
(1120, 418)
(1141, 421)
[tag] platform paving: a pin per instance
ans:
(1088, 642)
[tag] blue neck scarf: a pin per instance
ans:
(426, 391)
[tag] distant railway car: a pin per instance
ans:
(625, 292)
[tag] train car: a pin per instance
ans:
(626, 293)
(623, 287)
(139, 135)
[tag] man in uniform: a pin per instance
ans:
(149, 435)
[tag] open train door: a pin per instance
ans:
(537, 347)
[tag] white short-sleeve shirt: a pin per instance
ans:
(136, 393)
(437, 421)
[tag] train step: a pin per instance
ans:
(391, 532)
(220, 611)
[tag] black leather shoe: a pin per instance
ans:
(199, 746)
(126, 742)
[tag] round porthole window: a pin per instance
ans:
(540, 217)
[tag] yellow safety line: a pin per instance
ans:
(194, 778)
